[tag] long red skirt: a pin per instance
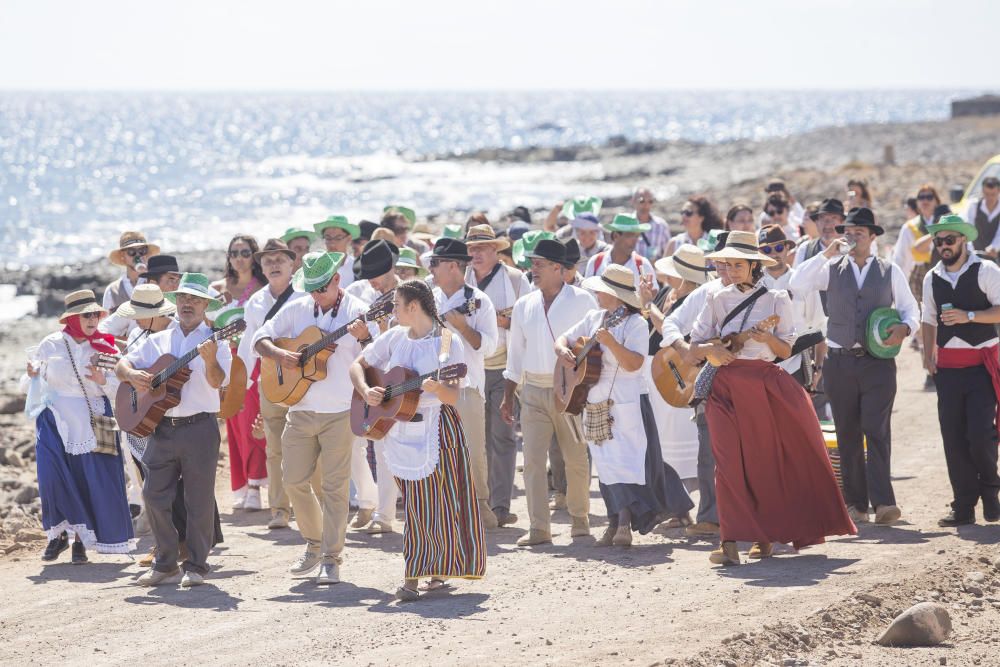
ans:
(773, 478)
(247, 454)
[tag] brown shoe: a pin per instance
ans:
(726, 554)
(489, 518)
(581, 526)
(887, 514)
(607, 539)
(363, 517)
(702, 529)
(148, 559)
(623, 537)
(535, 537)
(279, 519)
(558, 502)
(761, 550)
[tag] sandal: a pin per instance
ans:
(435, 584)
(404, 594)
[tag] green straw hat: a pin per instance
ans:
(453, 232)
(954, 223)
(408, 260)
(340, 222)
(526, 244)
(578, 205)
(226, 317)
(318, 269)
(297, 233)
(878, 330)
(195, 284)
(403, 211)
(626, 223)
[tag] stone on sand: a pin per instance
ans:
(924, 624)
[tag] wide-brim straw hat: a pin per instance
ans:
(339, 222)
(627, 224)
(195, 284)
(617, 281)
(318, 269)
(80, 302)
(742, 245)
(687, 263)
(127, 241)
(147, 302)
(408, 260)
(954, 223)
(298, 233)
(485, 235)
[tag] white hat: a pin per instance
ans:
(742, 245)
(687, 263)
(617, 281)
(147, 301)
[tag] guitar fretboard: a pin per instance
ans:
(412, 384)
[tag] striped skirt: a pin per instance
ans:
(443, 535)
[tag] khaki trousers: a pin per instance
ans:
(274, 419)
(472, 410)
(539, 421)
(314, 439)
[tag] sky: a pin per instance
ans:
(331, 45)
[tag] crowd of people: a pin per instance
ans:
(789, 314)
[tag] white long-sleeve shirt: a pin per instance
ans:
(989, 283)
(807, 310)
(813, 275)
(902, 252)
(531, 355)
(254, 311)
(719, 304)
(680, 323)
(483, 320)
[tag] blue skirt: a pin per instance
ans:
(84, 493)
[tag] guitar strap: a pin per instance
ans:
(282, 298)
(743, 305)
(445, 346)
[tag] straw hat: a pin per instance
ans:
(340, 222)
(526, 245)
(452, 231)
(147, 301)
(627, 224)
(383, 234)
(195, 284)
(128, 241)
(618, 282)
(421, 231)
(687, 263)
(954, 223)
(407, 213)
(408, 260)
(80, 302)
(298, 233)
(318, 269)
(484, 235)
(742, 245)
(577, 206)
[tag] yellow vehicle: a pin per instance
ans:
(960, 198)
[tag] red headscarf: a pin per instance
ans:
(101, 342)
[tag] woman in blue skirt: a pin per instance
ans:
(82, 491)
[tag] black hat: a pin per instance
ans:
(720, 241)
(831, 205)
(991, 182)
(160, 264)
(860, 217)
(377, 259)
(572, 252)
(552, 250)
(367, 228)
(447, 248)
(941, 210)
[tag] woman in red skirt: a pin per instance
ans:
(773, 477)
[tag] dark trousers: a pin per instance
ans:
(191, 451)
(707, 510)
(862, 391)
(178, 515)
(967, 406)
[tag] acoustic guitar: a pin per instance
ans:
(232, 395)
(402, 394)
(470, 306)
(285, 386)
(674, 378)
(572, 381)
(138, 412)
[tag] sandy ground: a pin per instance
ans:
(569, 603)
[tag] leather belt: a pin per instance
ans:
(847, 351)
(185, 421)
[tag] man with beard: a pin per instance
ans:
(961, 308)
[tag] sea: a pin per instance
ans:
(191, 170)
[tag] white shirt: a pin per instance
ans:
(483, 320)
(254, 312)
(680, 323)
(363, 291)
(346, 270)
(502, 291)
(989, 283)
(117, 326)
(977, 205)
(332, 393)
(533, 332)
(800, 251)
(719, 304)
(814, 275)
(615, 382)
(807, 310)
(902, 252)
(197, 395)
(637, 264)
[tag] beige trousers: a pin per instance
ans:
(273, 416)
(539, 421)
(314, 439)
(472, 410)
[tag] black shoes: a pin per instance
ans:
(954, 519)
(79, 553)
(991, 508)
(55, 547)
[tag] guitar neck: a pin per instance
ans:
(179, 363)
(312, 350)
(612, 320)
(412, 384)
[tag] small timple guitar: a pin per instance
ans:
(470, 306)
(572, 382)
(138, 412)
(285, 386)
(402, 394)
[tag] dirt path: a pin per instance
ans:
(566, 604)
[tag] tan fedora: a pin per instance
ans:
(742, 245)
(617, 281)
(147, 301)
(127, 241)
(275, 245)
(483, 234)
(80, 302)
(687, 263)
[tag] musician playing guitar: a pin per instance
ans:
(186, 441)
(443, 535)
(318, 430)
(468, 312)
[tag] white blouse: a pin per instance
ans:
(721, 303)
(615, 382)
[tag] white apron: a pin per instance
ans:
(622, 460)
(676, 428)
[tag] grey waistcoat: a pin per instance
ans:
(848, 306)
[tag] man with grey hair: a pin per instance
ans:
(653, 243)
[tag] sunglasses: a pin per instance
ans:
(687, 212)
(645, 200)
(945, 240)
(320, 290)
(438, 261)
(991, 186)
(91, 316)
(246, 252)
(777, 210)
(138, 252)
(774, 247)
(926, 197)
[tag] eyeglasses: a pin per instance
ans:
(926, 197)
(244, 253)
(777, 210)
(137, 252)
(687, 212)
(336, 239)
(91, 316)
(320, 290)
(645, 200)
(438, 261)
(775, 248)
(945, 240)
(399, 231)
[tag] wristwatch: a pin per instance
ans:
(971, 315)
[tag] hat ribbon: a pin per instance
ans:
(745, 246)
(132, 242)
(81, 302)
(140, 304)
(480, 237)
(693, 267)
(630, 288)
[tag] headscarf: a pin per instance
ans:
(101, 342)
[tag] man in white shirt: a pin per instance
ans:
(477, 325)
(984, 214)
(503, 285)
(625, 231)
(186, 441)
(337, 234)
(861, 387)
(318, 429)
(538, 319)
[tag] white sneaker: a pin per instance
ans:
(378, 526)
(239, 498)
(252, 502)
(192, 579)
(157, 578)
(279, 519)
(329, 573)
(305, 563)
